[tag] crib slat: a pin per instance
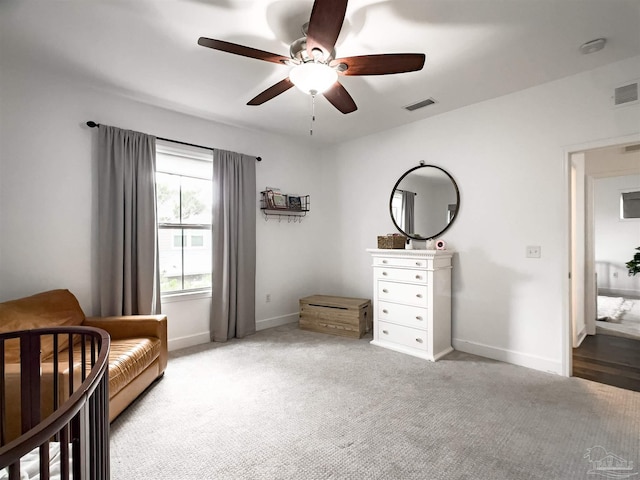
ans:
(83, 356)
(14, 471)
(44, 461)
(55, 372)
(30, 380)
(70, 350)
(3, 399)
(64, 453)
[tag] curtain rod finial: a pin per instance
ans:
(259, 159)
(92, 124)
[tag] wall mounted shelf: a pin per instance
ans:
(289, 206)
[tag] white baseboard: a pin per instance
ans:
(188, 341)
(205, 337)
(276, 321)
(580, 337)
(509, 356)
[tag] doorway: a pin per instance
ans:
(604, 300)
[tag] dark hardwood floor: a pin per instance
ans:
(607, 359)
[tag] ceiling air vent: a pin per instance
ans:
(626, 94)
(422, 103)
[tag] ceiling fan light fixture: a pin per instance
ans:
(313, 78)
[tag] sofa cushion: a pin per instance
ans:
(54, 308)
(128, 358)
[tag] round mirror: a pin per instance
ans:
(424, 202)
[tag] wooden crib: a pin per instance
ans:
(62, 428)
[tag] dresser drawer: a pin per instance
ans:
(402, 293)
(415, 317)
(409, 337)
(400, 262)
(401, 274)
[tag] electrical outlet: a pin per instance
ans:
(534, 251)
(267, 298)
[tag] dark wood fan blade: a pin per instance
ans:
(382, 64)
(272, 91)
(325, 24)
(242, 50)
(340, 98)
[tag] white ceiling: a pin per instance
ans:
(475, 50)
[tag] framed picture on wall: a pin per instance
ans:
(294, 202)
(279, 200)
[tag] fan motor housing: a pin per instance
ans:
(298, 52)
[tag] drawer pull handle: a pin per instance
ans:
(419, 295)
(419, 318)
(384, 261)
(385, 311)
(418, 264)
(385, 332)
(384, 290)
(419, 340)
(418, 277)
(384, 273)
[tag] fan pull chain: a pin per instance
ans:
(313, 113)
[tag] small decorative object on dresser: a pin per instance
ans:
(348, 317)
(412, 301)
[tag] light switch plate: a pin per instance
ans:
(534, 251)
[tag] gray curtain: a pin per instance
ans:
(408, 201)
(128, 241)
(234, 246)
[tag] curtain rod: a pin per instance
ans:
(93, 124)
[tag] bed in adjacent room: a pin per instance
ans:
(618, 316)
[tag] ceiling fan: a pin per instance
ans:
(315, 68)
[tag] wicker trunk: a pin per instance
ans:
(392, 241)
(348, 317)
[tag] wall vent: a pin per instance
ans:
(632, 148)
(420, 104)
(626, 94)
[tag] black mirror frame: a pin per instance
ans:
(455, 185)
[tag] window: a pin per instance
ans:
(183, 190)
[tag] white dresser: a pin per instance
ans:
(412, 301)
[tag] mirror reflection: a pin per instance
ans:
(424, 202)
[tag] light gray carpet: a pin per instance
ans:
(291, 404)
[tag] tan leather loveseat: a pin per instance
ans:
(138, 354)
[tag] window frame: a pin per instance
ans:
(181, 229)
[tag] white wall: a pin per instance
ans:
(615, 239)
(508, 156)
(48, 203)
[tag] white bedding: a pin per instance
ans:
(611, 309)
(30, 464)
(623, 317)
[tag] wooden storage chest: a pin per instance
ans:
(348, 317)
